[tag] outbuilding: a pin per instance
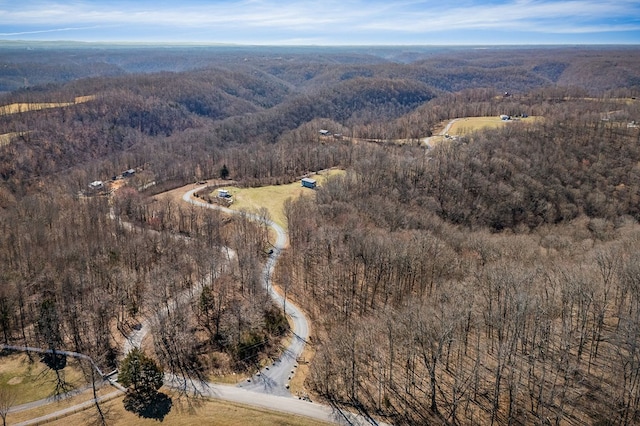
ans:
(96, 185)
(308, 183)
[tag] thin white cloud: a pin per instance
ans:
(253, 13)
(52, 30)
(314, 20)
(522, 15)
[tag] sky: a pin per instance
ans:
(330, 22)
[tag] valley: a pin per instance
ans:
(468, 256)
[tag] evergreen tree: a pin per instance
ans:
(143, 377)
(224, 172)
(140, 373)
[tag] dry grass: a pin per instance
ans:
(627, 101)
(33, 381)
(272, 197)
(465, 126)
(302, 372)
(83, 99)
(205, 412)
(34, 413)
(25, 107)
(5, 139)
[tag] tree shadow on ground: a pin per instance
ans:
(149, 406)
(54, 360)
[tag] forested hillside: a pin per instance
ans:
(496, 271)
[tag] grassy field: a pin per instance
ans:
(34, 413)
(205, 412)
(5, 139)
(468, 125)
(627, 101)
(24, 107)
(32, 381)
(272, 197)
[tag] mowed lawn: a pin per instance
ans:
(203, 412)
(467, 125)
(272, 197)
(33, 380)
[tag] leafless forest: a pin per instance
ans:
(491, 279)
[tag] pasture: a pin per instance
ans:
(5, 139)
(468, 125)
(272, 197)
(36, 106)
(54, 406)
(33, 380)
(201, 411)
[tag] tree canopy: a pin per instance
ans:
(143, 376)
(140, 373)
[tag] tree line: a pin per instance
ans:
(496, 272)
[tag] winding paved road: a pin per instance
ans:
(272, 381)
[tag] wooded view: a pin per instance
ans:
(490, 277)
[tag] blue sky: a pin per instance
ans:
(331, 22)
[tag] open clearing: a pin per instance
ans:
(55, 406)
(467, 125)
(273, 197)
(203, 412)
(5, 139)
(25, 107)
(627, 101)
(32, 381)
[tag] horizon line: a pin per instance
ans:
(223, 44)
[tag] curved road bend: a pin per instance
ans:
(443, 132)
(272, 379)
(61, 413)
(135, 338)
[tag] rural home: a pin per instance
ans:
(324, 132)
(223, 193)
(504, 117)
(96, 185)
(308, 183)
(128, 173)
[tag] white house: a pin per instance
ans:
(96, 185)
